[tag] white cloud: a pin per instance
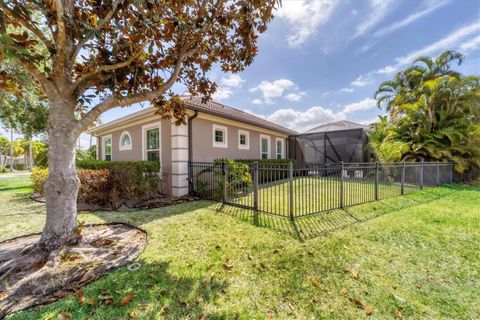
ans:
(365, 104)
(222, 93)
(427, 7)
(273, 89)
(300, 120)
(362, 81)
(225, 91)
(470, 44)
(295, 96)
(257, 101)
(386, 70)
(314, 116)
(304, 17)
(348, 90)
(378, 10)
(451, 41)
(233, 81)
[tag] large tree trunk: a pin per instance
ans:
(62, 184)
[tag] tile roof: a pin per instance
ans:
(224, 111)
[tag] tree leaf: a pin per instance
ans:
(227, 266)
(315, 283)
(64, 315)
(368, 310)
(126, 299)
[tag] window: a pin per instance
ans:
(243, 140)
(151, 142)
(264, 147)
(107, 148)
(220, 136)
(280, 148)
(125, 141)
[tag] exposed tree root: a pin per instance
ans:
(30, 276)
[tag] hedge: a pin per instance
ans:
(105, 182)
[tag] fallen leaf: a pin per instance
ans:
(313, 301)
(184, 303)
(126, 299)
(201, 317)
(276, 250)
(80, 296)
(227, 266)
(134, 314)
(103, 242)
(368, 310)
(355, 274)
(263, 266)
(198, 300)
(64, 315)
(395, 286)
(90, 301)
(249, 257)
(418, 286)
(315, 283)
(164, 309)
(107, 299)
(291, 306)
(62, 294)
(398, 314)
(344, 290)
(269, 314)
(356, 302)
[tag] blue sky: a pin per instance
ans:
(321, 60)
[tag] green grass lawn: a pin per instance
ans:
(315, 194)
(420, 255)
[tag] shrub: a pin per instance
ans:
(94, 185)
(38, 179)
(19, 167)
(105, 182)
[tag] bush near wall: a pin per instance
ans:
(110, 183)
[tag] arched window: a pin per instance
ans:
(125, 141)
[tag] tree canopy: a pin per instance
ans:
(433, 113)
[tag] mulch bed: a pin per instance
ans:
(27, 279)
(128, 204)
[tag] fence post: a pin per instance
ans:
(255, 186)
(376, 181)
(403, 179)
(421, 175)
(451, 172)
(290, 189)
(224, 173)
(341, 185)
(438, 173)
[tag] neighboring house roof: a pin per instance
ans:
(337, 125)
(211, 107)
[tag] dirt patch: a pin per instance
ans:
(27, 279)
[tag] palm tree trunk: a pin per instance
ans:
(30, 156)
(11, 150)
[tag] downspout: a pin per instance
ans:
(190, 151)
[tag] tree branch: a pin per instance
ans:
(114, 102)
(105, 20)
(61, 37)
(46, 84)
(48, 43)
(111, 67)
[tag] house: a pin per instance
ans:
(213, 131)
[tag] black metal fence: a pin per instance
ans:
(294, 191)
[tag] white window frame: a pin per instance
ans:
(247, 138)
(223, 144)
(122, 147)
(146, 127)
(282, 155)
(105, 138)
(269, 147)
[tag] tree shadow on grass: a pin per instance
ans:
(140, 217)
(156, 290)
(314, 225)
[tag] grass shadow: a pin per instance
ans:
(314, 225)
(157, 292)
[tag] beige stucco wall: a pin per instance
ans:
(204, 150)
(174, 144)
(135, 131)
